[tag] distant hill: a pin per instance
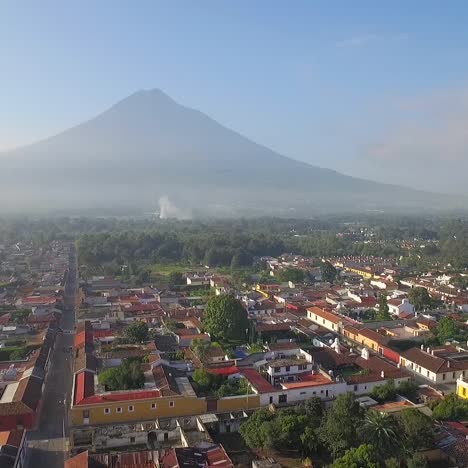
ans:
(148, 147)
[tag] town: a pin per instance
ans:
(184, 366)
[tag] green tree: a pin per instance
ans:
(18, 354)
(294, 275)
(200, 348)
(416, 461)
(417, 428)
(129, 375)
(383, 312)
(175, 278)
(259, 430)
(171, 324)
(392, 463)
(447, 329)
(226, 318)
(420, 298)
(137, 332)
(328, 272)
(451, 408)
(381, 431)
(363, 456)
(341, 422)
(385, 392)
(408, 389)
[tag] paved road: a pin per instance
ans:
(48, 444)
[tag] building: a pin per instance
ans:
(397, 306)
(443, 364)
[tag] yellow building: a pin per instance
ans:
(462, 389)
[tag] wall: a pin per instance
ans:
(238, 403)
(462, 389)
(367, 387)
(304, 393)
(183, 406)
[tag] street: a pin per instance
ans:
(48, 444)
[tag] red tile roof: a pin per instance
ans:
(231, 370)
(258, 381)
(40, 300)
(84, 386)
(83, 337)
(330, 316)
(113, 397)
(78, 461)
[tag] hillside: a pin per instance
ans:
(147, 146)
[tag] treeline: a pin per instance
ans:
(238, 241)
(345, 434)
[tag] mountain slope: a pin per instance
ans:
(147, 146)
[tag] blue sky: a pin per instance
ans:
(366, 88)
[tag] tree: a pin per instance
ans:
(383, 312)
(259, 431)
(451, 408)
(341, 422)
(137, 332)
(447, 329)
(295, 275)
(226, 318)
(416, 461)
(171, 324)
(420, 298)
(363, 456)
(175, 278)
(417, 428)
(385, 392)
(129, 375)
(206, 381)
(200, 348)
(381, 431)
(408, 389)
(328, 272)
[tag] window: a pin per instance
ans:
(132, 440)
(277, 369)
(153, 405)
(288, 368)
(443, 376)
(321, 391)
(323, 320)
(355, 388)
(119, 410)
(171, 404)
(316, 318)
(428, 373)
(463, 391)
(454, 376)
(131, 408)
(283, 399)
(303, 393)
(106, 410)
(314, 393)
(302, 366)
(86, 414)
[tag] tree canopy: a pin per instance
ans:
(328, 272)
(420, 298)
(129, 375)
(226, 318)
(294, 275)
(136, 332)
(340, 428)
